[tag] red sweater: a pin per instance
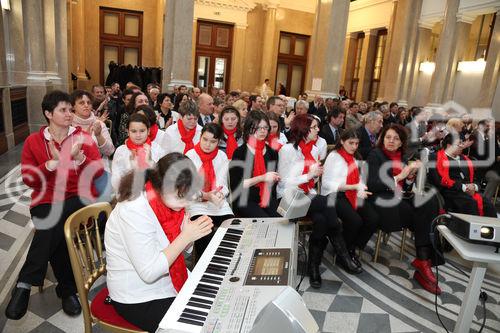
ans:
(62, 183)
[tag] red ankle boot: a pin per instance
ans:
(432, 288)
(424, 268)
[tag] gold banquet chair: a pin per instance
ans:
(84, 243)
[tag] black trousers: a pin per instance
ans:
(49, 245)
(252, 209)
(147, 315)
(358, 225)
(324, 216)
(201, 244)
(465, 204)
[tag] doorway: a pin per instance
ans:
(292, 62)
(214, 43)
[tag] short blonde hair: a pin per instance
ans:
(455, 124)
(239, 104)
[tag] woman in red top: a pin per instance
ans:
(52, 163)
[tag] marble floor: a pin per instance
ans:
(383, 298)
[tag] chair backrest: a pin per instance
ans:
(84, 242)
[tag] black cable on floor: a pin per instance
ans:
(305, 264)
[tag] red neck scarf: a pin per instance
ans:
(273, 141)
(308, 161)
(231, 143)
(152, 132)
(397, 165)
(352, 176)
(259, 168)
(443, 168)
(140, 152)
(186, 135)
(170, 222)
(207, 167)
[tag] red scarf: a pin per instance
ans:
(186, 135)
(207, 167)
(308, 161)
(273, 141)
(231, 143)
(140, 152)
(352, 176)
(152, 132)
(259, 168)
(170, 222)
(397, 165)
(443, 168)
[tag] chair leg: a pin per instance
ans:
(403, 243)
(496, 195)
(377, 245)
(40, 289)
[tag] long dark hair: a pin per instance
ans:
(347, 135)
(174, 172)
(401, 132)
(300, 127)
(233, 110)
(252, 122)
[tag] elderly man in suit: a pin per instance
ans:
(368, 134)
(206, 106)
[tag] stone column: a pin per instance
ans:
(78, 42)
(49, 29)
(38, 81)
(17, 60)
(4, 88)
(327, 54)
(61, 45)
(349, 60)
(424, 53)
(177, 51)
(462, 33)
(268, 45)
(238, 58)
(402, 36)
(440, 79)
(366, 66)
(491, 72)
(387, 51)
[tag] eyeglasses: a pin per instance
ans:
(263, 128)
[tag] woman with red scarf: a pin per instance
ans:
(390, 179)
(276, 138)
(138, 153)
(212, 165)
(145, 237)
(252, 171)
(185, 134)
(299, 169)
(342, 181)
(230, 121)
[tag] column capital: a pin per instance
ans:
(466, 17)
(426, 24)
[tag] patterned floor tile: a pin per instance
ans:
(374, 322)
(346, 304)
(15, 217)
(341, 322)
(47, 327)
(45, 304)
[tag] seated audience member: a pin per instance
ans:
(137, 99)
(212, 164)
(393, 113)
(487, 150)
(341, 180)
(120, 125)
(276, 138)
(300, 168)
(417, 129)
(205, 104)
(275, 104)
(252, 171)
(186, 132)
(242, 108)
(145, 237)
(317, 107)
(454, 177)
(53, 161)
(153, 93)
(85, 118)
(166, 116)
(403, 116)
(231, 126)
(332, 130)
(390, 180)
(321, 143)
(301, 107)
(180, 98)
(138, 153)
(352, 118)
(218, 107)
(255, 103)
(368, 134)
(156, 136)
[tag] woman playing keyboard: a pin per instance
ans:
(145, 237)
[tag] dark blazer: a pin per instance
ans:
(365, 145)
(327, 134)
(320, 112)
(200, 119)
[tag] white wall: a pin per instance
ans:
(467, 87)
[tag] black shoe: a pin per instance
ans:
(314, 276)
(18, 304)
(316, 248)
(71, 305)
(355, 258)
(348, 264)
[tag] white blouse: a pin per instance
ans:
(161, 121)
(322, 148)
(290, 167)
(172, 140)
(334, 174)
(221, 165)
(122, 165)
(137, 268)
